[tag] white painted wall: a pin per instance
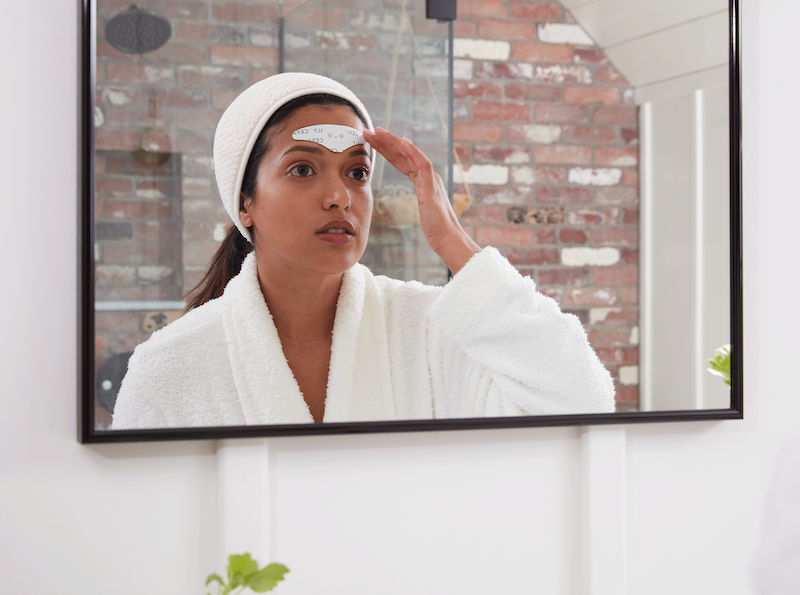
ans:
(127, 519)
(477, 512)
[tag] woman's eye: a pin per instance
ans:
(302, 170)
(360, 173)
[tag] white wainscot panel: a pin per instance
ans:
(472, 513)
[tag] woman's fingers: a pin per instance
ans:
(408, 159)
(376, 140)
(424, 176)
(415, 155)
(395, 150)
(383, 145)
(438, 221)
(416, 158)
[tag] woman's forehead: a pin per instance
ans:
(339, 117)
(311, 115)
(334, 137)
(283, 141)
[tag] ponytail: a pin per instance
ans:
(225, 265)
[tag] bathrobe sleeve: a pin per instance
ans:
(181, 377)
(136, 407)
(521, 354)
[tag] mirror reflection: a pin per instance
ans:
(590, 150)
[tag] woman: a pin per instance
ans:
(287, 327)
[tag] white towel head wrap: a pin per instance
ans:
(242, 122)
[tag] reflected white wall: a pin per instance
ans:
(685, 262)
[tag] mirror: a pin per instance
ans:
(595, 144)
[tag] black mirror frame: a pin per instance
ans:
(86, 275)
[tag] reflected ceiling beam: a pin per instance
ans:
(657, 42)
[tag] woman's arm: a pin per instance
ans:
(528, 353)
(440, 225)
(134, 409)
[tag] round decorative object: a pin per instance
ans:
(108, 379)
(137, 32)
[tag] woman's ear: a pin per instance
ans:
(244, 214)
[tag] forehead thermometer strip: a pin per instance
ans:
(333, 137)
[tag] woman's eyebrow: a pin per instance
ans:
(355, 151)
(358, 150)
(305, 148)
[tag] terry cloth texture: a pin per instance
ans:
(242, 122)
(487, 344)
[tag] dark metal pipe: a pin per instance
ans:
(281, 44)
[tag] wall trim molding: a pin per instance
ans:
(603, 480)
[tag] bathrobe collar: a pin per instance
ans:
(267, 389)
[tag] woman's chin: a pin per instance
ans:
(320, 257)
(331, 262)
(334, 266)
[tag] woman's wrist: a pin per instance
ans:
(457, 251)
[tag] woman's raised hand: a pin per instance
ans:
(440, 225)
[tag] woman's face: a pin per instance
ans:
(303, 190)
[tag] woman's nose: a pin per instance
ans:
(336, 195)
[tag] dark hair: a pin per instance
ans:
(227, 261)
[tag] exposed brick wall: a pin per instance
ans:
(544, 125)
(548, 134)
(138, 226)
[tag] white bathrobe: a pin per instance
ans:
(486, 344)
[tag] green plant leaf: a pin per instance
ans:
(267, 578)
(236, 580)
(243, 572)
(214, 577)
(721, 363)
(242, 564)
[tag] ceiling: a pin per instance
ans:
(655, 41)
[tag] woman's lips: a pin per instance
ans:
(336, 236)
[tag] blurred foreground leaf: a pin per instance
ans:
(243, 573)
(266, 578)
(721, 363)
